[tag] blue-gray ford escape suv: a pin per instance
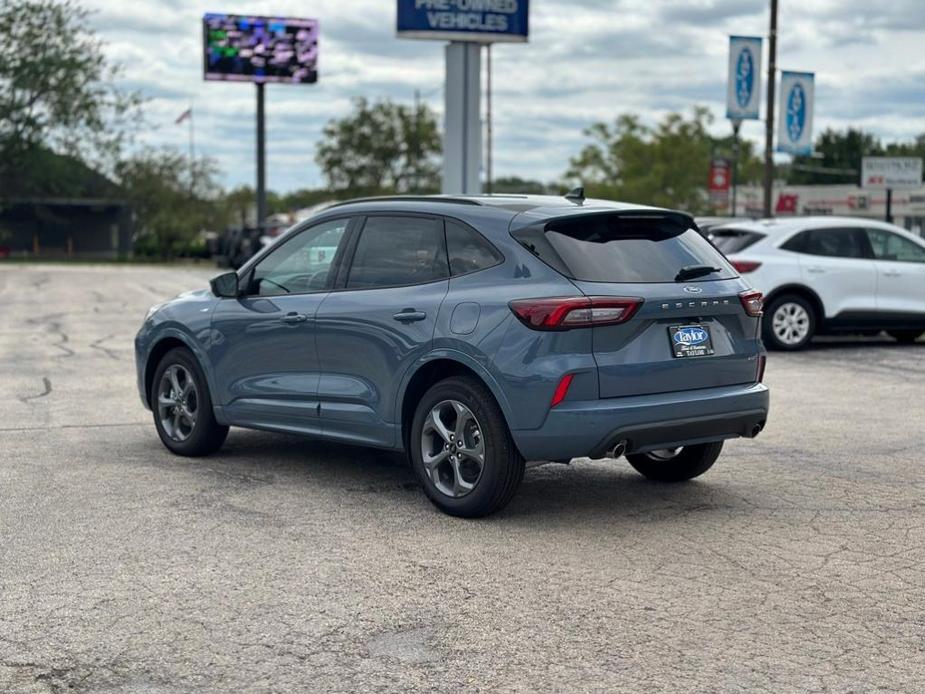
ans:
(475, 333)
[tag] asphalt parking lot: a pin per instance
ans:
(282, 564)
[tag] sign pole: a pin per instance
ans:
(769, 116)
(261, 159)
(488, 118)
(889, 205)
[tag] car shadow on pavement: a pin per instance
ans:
(551, 494)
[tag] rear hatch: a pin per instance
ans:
(691, 330)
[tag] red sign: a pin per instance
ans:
(718, 186)
(787, 203)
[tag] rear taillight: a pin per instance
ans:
(564, 313)
(752, 302)
(743, 267)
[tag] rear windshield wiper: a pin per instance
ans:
(689, 272)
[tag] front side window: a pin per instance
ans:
(398, 251)
(835, 243)
(300, 265)
(890, 246)
(468, 251)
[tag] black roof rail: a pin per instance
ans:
(409, 198)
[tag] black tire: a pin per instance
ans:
(689, 462)
(503, 467)
(770, 337)
(207, 435)
(906, 337)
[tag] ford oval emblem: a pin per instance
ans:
(691, 336)
(745, 77)
(796, 112)
(690, 289)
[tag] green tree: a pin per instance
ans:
(381, 148)
(665, 165)
(515, 184)
(172, 200)
(837, 158)
(56, 91)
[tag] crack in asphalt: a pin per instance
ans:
(97, 344)
(47, 383)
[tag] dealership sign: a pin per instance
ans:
(719, 183)
(894, 173)
(795, 120)
(743, 90)
(484, 21)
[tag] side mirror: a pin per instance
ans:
(225, 286)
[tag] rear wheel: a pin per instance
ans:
(906, 337)
(676, 464)
(789, 323)
(182, 406)
(462, 451)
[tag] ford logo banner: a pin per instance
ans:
(795, 118)
(743, 88)
(691, 336)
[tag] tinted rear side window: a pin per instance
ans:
(836, 243)
(397, 251)
(468, 251)
(609, 248)
(730, 241)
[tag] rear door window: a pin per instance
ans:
(397, 251)
(836, 243)
(611, 248)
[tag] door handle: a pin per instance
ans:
(892, 273)
(292, 318)
(816, 270)
(409, 315)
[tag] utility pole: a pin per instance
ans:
(261, 160)
(769, 116)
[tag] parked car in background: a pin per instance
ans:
(474, 333)
(830, 275)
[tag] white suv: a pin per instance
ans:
(830, 274)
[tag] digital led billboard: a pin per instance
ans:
(260, 49)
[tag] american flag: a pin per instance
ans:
(188, 113)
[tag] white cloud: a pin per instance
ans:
(587, 60)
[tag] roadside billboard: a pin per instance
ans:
(246, 48)
(895, 173)
(483, 21)
(795, 119)
(743, 89)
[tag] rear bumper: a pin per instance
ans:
(591, 428)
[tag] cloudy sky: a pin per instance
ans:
(587, 60)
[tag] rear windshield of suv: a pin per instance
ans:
(610, 248)
(730, 241)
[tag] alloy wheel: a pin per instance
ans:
(177, 402)
(452, 448)
(790, 323)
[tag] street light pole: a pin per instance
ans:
(769, 116)
(261, 160)
(736, 125)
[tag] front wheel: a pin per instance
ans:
(182, 406)
(676, 464)
(789, 323)
(462, 451)
(905, 337)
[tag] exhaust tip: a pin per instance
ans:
(618, 450)
(757, 429)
